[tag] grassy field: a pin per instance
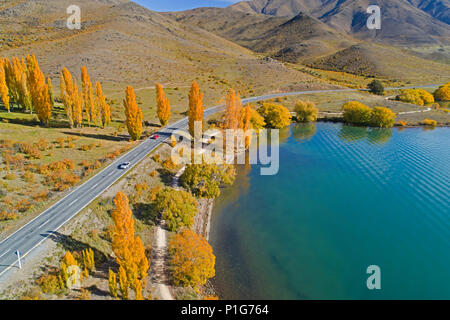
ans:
(26, 189)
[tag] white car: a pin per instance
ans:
(124, 165)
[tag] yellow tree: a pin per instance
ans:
(102, 106)
(4, 92)
(71, 99)
(195, 111)
(245, 123)
(163, 105)
(87, 95)
(50, 91)
(39, 92)
(112, 283)
(129, 251)
(191, 258)
(13, 76)
(443, 93)
(133, 114)
(233, 107)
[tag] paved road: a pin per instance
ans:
(46, 224)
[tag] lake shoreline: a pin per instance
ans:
(224, 246)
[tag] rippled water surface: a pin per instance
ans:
(345, 198)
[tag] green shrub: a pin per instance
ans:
(306, 111)
(204, 180)
(376, 87)
(177, 207)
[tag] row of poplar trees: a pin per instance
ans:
(23, 85)
(87, 105)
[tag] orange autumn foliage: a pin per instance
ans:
(39, 91)
(245, 122)
(133, 114)
(233, 107)
(191, 258)
(87, 95)
(129, 250)
(195, 111)
(4, 91)
(102, 106)
(163, 105)
(71, 99)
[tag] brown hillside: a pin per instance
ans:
(124, 43)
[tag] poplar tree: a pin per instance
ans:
(233, 107)
(195, 111)
(71, 99)
(133, 114)
(39, 92)
(13, 76)
(50, 91)
(4, 92)
(128, 249)
(112, 283)
(245, 123)
(88, 97)
(163, 105)
(101, 105)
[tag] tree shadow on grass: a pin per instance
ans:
(154, 125)
(146, 212)
(166, 176)
(99, 136)
(71, 244)
(35, 122)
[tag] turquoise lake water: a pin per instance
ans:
(345, 198)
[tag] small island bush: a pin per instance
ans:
(382, 117)
(306, 111)
(359, 114)
(356, 113)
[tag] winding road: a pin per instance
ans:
(38, 230)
